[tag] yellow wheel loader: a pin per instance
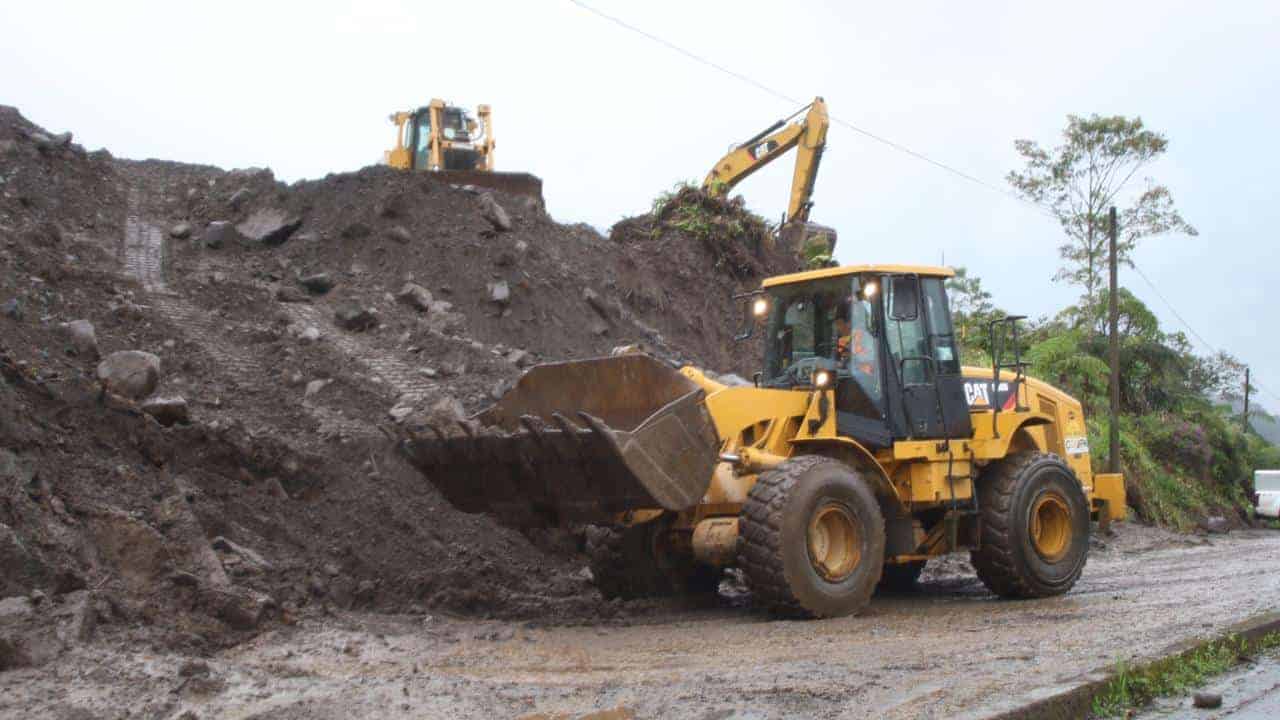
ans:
(861, 450)
(446, 139)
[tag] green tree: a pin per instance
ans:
(1219, 377)
(970, 307)
(1080, 179)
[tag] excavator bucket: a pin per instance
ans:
(578, 441)
(515, 183)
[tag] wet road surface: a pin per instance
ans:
(949, 649)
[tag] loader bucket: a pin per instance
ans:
(578, 441)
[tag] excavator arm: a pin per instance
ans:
(807, 135)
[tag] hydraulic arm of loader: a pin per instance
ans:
(808, 135)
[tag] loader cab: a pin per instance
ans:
(881, 338)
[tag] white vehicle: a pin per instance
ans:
(1266, 486)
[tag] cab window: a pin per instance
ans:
(938, 315)
(804, 324)
(906, 336)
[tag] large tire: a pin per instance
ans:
(1021, 556)
(794, 520)
(631, 563)
(901, 577)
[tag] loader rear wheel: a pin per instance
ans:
(812, 539)
(1035, 527)
(634, 562)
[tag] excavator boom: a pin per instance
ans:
(807, 135)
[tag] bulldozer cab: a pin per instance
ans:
(456, 130)
(882, 340)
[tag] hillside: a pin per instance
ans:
(287, 331)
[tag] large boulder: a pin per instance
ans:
(219, 233)
(167, 410)
(130, 373)
(494, 213)
(316, 283)
(240, 607)
(269, 226)
(500, 292)
(354, 317)
(82, 337)
(415, 296)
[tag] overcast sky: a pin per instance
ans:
(609, 118)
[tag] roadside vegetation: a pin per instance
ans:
(1136, 686)
(1186, 454)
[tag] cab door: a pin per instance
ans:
(420, 140)
(922, 361)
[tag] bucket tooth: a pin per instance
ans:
(598, 427)
(534, 427)
(566, 425)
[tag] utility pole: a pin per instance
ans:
(1245, 419)
(1113, 311)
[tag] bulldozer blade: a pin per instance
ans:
(522, 184)
(578, 441)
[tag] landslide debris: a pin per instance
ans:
(202, 373)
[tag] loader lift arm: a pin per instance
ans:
(807, 135)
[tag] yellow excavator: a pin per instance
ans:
(862, 449)
(446, 139)
(805, 131)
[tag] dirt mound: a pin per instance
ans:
(296, 326)
(690, 256)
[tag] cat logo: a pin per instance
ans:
(978, 394)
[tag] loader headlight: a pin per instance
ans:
(822, 378)
(869, 290)
(760, 307)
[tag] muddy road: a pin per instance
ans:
(948, 649)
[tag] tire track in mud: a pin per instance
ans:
(407, 383)
(144, 255)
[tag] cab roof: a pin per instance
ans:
(831, 272)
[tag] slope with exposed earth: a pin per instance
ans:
(295, 327)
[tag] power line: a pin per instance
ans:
(1208, 345)
(793, 101)
(888, 143)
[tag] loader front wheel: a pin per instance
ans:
(635, 562)
(812, 539)
(1035, 527)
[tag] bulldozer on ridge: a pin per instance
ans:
(862, 449)
(445, 139)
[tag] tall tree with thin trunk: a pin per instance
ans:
(1079, 180)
